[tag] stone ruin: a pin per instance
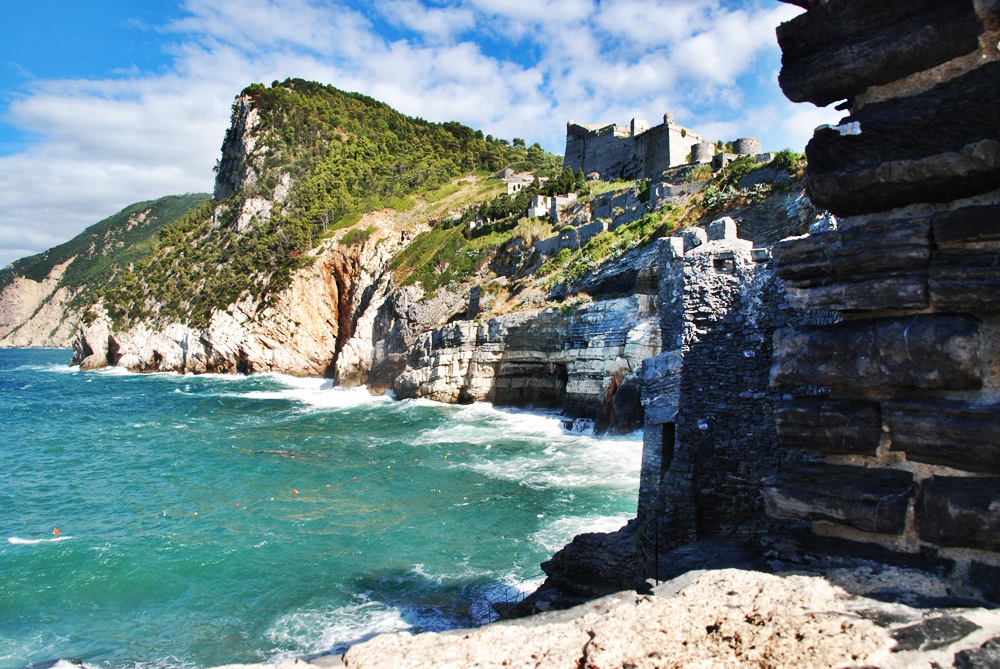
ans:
(638, 151)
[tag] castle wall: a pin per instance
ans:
(908, 430)
(616, 152)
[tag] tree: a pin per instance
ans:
(519, 142)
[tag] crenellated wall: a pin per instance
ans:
(909, 431)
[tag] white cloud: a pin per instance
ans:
(437, 24)
(106, 143)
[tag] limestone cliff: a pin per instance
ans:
(44, 297)
(38, 313)
(319, 326)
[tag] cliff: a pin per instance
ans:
(43, 297)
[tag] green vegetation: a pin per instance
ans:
(788, 160)
(531, 230)
(346, 154)
(104, 248)
(444, 256)
(357, 236)
(700, 173)
(569, 266)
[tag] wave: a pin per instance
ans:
(556, 534)
(318, 397)
(332, 630)
(18, 541)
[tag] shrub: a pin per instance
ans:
(357, 236)
(531, 230)
(787, 160)
(700, 173)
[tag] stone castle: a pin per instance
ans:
(638, 151)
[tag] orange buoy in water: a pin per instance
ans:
(55, 531)
(294, 491)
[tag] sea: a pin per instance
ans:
(178, 521)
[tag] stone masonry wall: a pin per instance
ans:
(709, 439)
(908, 432)
(615, 153)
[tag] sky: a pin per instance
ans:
(106, 103)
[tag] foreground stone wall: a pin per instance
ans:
(908, 432)
(709, 438)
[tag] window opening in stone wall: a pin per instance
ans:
(667, 449)
(727, 265)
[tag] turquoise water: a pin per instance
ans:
(210, 520)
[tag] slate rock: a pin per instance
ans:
(986, 656)
(932, 633)
(939, 145)
(822, 425)
(924, 351)
(958, 434)
(965, 279)
(839, 48)
(960, 512)
(979, 223)
(873, 500)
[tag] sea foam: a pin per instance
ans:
(18, 541)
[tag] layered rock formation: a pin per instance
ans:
(906, 432)
(577, 361)
(321, 326)
(37, 313)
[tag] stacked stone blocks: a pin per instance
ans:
(908, 433)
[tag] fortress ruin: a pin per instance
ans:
(638, 151)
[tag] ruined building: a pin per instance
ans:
(636, 151)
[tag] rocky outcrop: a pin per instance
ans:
(243, 151)
(38, 313)
(318, 327)
(575, 360)
(906, 421)
(720, 618)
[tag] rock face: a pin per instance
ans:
(575, 361)
(37, 313)
(318, 327)
(906, 426)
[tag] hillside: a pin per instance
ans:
(42, 296)
(300, 162)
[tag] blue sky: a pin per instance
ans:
(103, 104)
